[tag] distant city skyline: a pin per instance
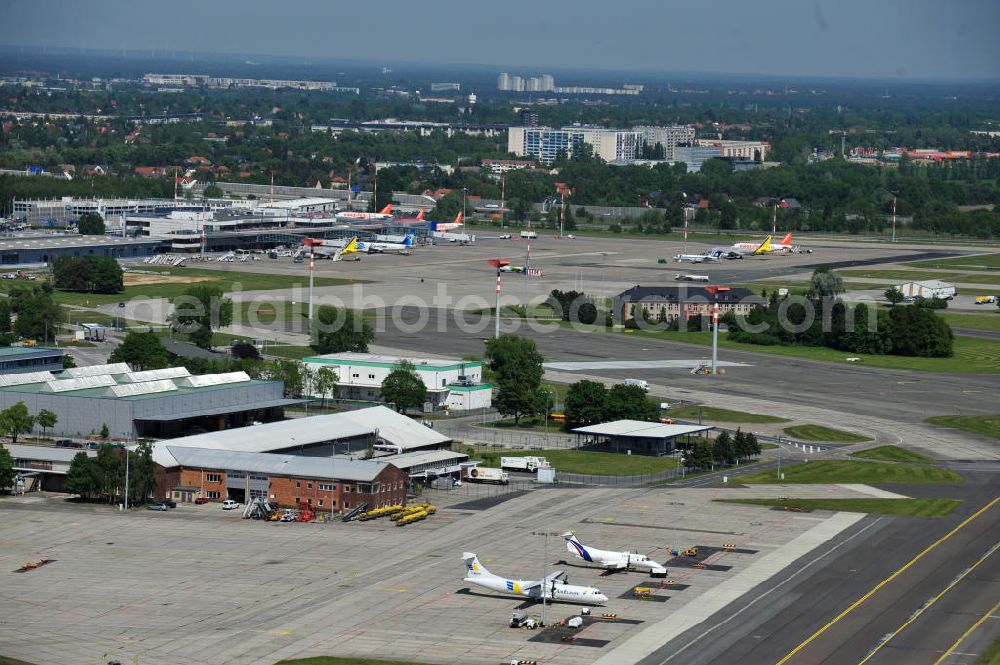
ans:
(905, 39)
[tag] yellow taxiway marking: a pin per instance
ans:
(926, 605)
(979, 623)
(881, 584)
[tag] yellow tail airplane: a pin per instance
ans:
(765, 247)
(351, 247)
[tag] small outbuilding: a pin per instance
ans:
(931, 288)
(637, 436)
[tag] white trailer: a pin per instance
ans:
(529, 464)
(482, 474)
(529, 234)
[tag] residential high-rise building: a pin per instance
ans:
(548, 83)
(516, 84)
(669, 137)
(534, 84)
(503, 81)
(529, 118)
(545, 143)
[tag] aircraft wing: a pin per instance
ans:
(549, 579)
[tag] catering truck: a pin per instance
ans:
(480, 474)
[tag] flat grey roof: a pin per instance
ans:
(322, 468)
(408, 460)
(639, 429)
(267, 404)
(46, 453)
(70, 242)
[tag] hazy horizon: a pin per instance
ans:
(895, 39)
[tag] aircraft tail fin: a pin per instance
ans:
(408, 240)
(458, 218)
(351, 246)
(574, 546)
(386, 210)
(765, 246)
(475, 569)
(787, 240)
(420, 216)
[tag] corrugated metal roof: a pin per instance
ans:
(24, 378)
(78, 383)
(407, 460)
(393, 427)
(641, 429)
(322, 468)
(45, 453)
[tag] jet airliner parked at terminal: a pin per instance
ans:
(552, 588)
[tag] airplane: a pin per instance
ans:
(332, 249)
(696, 258)
(440, 226)
(350, 216)
(757, 248)
(613, 560)
(551, 587)
(378, 247)
(690, 278)
(410, 220)
(511, 268)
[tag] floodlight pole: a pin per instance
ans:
(503, 195)
(894, 218)
(312, 269)
(496, 322)
(774, 221)
(126, 478)
(715, 334)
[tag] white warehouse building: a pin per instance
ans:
(452, 384)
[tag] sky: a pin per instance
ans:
(913, 39)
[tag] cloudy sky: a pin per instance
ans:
(946, 39)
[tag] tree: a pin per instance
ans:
(107, 469)
(142, 351)
(292, 375)
(90, 224)
(68, 362)
(587, 314)
(105, 274)
(325, 382)
(825, 283)
(629, 403)
(404, 387)
(585, 403)
(7, 473)
(46, 419)
(517, 366)
(82, 476)
(5, 322)
(339, 330)
(38, 314)
(16, 420)
(722, 448)
(142, 473)
(893, 295)
(243, 351)
(917, 331)
(213, 192)
(199, 310)
(105, 432)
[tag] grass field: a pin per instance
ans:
(893, 454)
(972, 355)
(820, 433)
(227, 280)
(898, 275)
(588, 462)
(988, 320)
(842, 471)
(695, 411)
(991, 656)
(912, 507)
(985, 425)
(980, 262)
(12, 661)
(333, 660)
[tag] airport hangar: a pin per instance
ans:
(38, 250)
(155, 403)
(638, 436)
(42, 468)
(318, 460)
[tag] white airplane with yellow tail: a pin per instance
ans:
(551, 588)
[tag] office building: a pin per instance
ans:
(668, 137)
(545, 143)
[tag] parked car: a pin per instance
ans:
(169, 503)
(157, 506)
(229, 504)
(201, 500)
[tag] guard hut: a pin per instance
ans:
(93, 332)
(636, 436)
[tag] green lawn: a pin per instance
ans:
(912, 507)
(893, 454)
(820, 433)
(289, 351)
(267, 312)
(991, 656)
(227, 280)
(12, 661)
(843, 471)
(902, 275)
(985, 425)
(588, 462)
(972, 355)
(988, 320)
(981, 262)
(334, 660)
(712, 413)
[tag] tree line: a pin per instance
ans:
(724, 450)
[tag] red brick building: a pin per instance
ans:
(335, 484)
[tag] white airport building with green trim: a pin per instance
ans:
(452, 384)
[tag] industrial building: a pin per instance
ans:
(741, 150)
(637, 436)
(333, 484)
(664, 303)
(160, 403)
(26, 359)
(452, 384)
(931, 288)
(42, 468)
(38, 250)
(302, 444)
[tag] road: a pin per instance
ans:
(860, 594)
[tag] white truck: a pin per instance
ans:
(482, 474)
(529, 464)
(641, 383)
(529, 234)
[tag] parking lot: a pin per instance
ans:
(201, 585)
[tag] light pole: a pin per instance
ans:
(894, 217)
(464, 192)
(545, 570)
(312, 269)
(497, 263)
(715, 334)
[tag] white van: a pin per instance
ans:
(636, 382)
(229, 504)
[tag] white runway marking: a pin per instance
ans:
(637, 364)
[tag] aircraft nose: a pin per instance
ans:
(602, 597)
